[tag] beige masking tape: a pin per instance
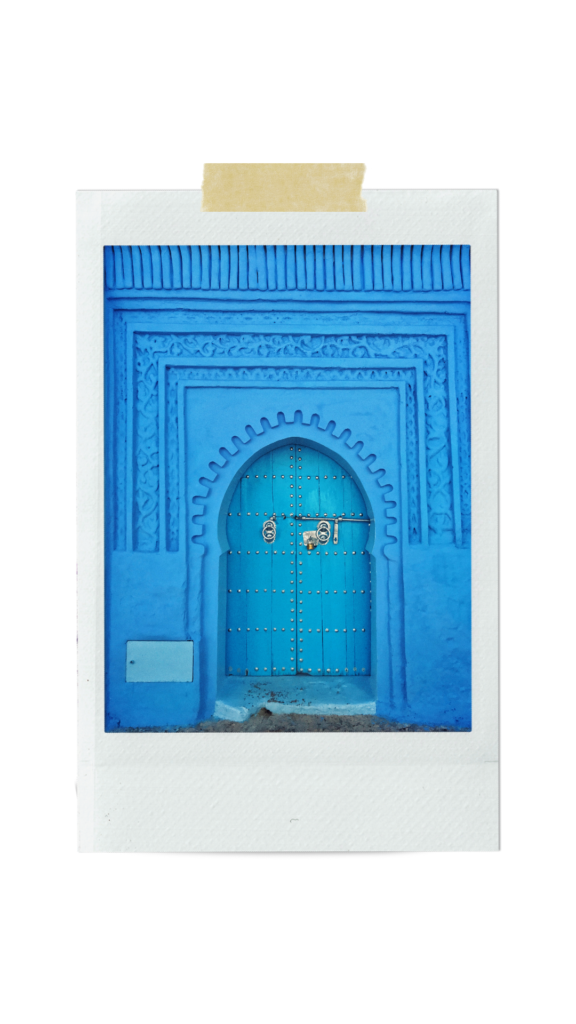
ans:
(267, 188)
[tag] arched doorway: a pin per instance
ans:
(298, 604)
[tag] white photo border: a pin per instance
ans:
(191, 792)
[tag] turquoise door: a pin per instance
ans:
(292, 608)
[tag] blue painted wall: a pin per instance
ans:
(215, 355)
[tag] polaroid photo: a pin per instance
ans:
(288, 575)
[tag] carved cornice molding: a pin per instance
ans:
(288, 268)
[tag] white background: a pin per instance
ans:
(125, 95)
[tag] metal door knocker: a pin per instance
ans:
(323, 531)
(269, 530)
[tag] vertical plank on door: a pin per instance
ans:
(361, 599)
(259, 579)
(312, 662)
(280, 602)
(350, 502)
(236, 604)
(330, 490)
(335, 614)
(246, 564)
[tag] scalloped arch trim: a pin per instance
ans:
(365, 468)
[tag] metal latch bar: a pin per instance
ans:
(337, 519)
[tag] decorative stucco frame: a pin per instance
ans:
(384, 490)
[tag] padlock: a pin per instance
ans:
(310, 538)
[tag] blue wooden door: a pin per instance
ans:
(292, 610)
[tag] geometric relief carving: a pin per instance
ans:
(431, 349)
(462, 375)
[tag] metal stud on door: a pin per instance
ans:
(298, 593)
